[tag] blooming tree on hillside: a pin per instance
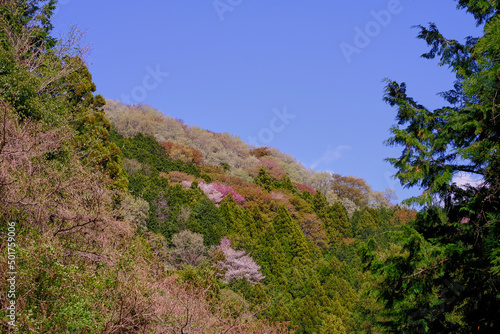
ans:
(217, 192)
(225, 190)
(212, 194)
(237, 264)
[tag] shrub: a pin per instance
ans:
(131, 166)
(135, 210)
(189, 248)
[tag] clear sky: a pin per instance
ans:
(301, 76)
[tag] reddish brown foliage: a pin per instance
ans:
(404, 216)
(183, 152)
(303, 187)
(273, 169)
(260, 152)
(178, 177)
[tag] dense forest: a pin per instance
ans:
(116, 218)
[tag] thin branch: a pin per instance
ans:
(422, 270)
(4, 123)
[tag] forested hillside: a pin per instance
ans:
(117, 218)
(303, 243)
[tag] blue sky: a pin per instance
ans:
(305, 77)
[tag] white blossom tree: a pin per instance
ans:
(237, 264)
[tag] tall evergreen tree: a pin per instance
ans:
(264, 180)
(290, 235)
(339, 220)
(445, 277)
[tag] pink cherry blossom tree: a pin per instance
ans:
(225, 190)
(217, 192)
